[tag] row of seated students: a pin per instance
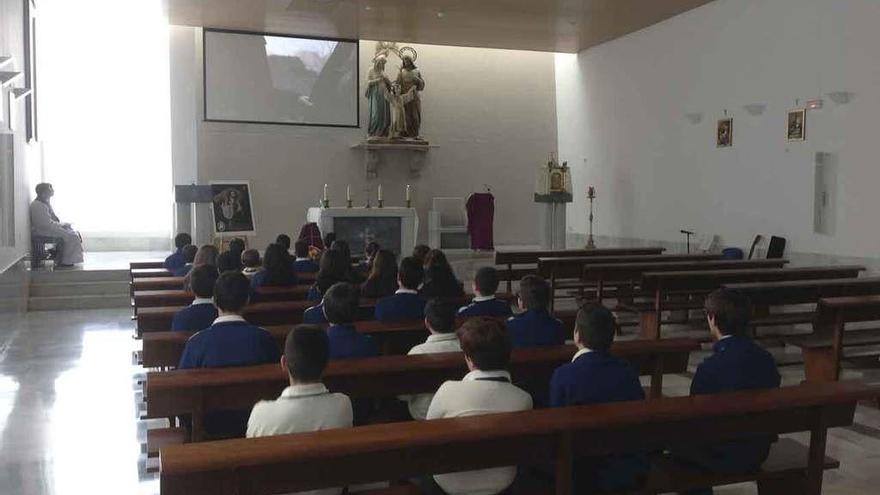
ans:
(594, 376)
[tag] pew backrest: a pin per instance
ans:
(713, 279)
(572, 267)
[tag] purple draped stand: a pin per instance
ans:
(481, 215)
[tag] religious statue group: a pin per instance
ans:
(395, 106)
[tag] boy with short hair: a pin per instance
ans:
(736, 363)
(594, 376)
(486, 389)
(201, 313)
(535, 326)
(341, 304)
(440, 322)
(176, 260)
(250, 260)
(485, 303)
(302, 263)
(306, 404)
(189, 255)
(406, 303)
(230, 341)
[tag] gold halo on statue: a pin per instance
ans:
(408, 49)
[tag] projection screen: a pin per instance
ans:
(275, 79)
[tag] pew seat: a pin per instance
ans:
(159, 438)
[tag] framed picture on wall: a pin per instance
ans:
(797, 125)
(232, 207)
(724, 134)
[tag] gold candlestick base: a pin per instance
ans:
(368, 205)
(409, 203)
(326, 203)
(348, 204)
(381, 203)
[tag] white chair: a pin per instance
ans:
(447, 224)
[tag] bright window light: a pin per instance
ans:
(104, 116)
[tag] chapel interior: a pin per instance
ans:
(400, 247)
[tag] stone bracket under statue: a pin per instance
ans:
(412, 155)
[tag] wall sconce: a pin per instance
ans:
(694, 117)
(755, 109)
(840, 97)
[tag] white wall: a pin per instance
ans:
(621, 106)
(491, 112)
(12, 43)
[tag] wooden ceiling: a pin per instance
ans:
(544, 25)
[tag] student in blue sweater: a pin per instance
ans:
(736, 363)
(176, 260)
(201, 313)
(595, 376)
(406, 303)
(302, 263)
(485, 303)
(189, 255)
(230, 341)
(341, 305)
(535, 326)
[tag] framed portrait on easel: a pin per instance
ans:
(232, 208)
(797, 123)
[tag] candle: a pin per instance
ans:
(408, 195)
(325, 192)
(348, 193)
(380, 192)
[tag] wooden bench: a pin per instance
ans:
(155, 298)
(824, 350)
(766, 295)
(375, 453)
(176, 283)
(626, 275)
(199, 391)
(508, 258)
(137, 273)
(158, 319)
(163, 349)
(140, 265)
(661, 285)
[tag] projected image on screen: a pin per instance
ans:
(279, 79)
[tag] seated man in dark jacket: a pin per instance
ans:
(595, 376)
(535, 326)
(175, 260)
(201, 313)
(737, 363)
(230, 341)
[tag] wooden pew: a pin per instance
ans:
(176, 283)
(509, 258)
(163, 349)
(765, 295)
(158, 319)
(198, 391)
(627, 274)
(663, 284)
(375, 453)
(137, 273)
(824, 350)
(156, 298)
(140, 265)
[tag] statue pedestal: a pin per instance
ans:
(552, 231)
(376, 154)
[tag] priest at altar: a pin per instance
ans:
(44, 223)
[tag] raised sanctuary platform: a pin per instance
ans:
(394, 228)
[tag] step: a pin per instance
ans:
(114, 288)
(73, 276)
(55, 303)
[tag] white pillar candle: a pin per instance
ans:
(348, 193)
(325, 192)
(380, 192)
(408, 193)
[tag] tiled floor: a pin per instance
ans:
(68, 411)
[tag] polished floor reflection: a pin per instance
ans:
(69, 406)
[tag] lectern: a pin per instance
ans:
(187, 215)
